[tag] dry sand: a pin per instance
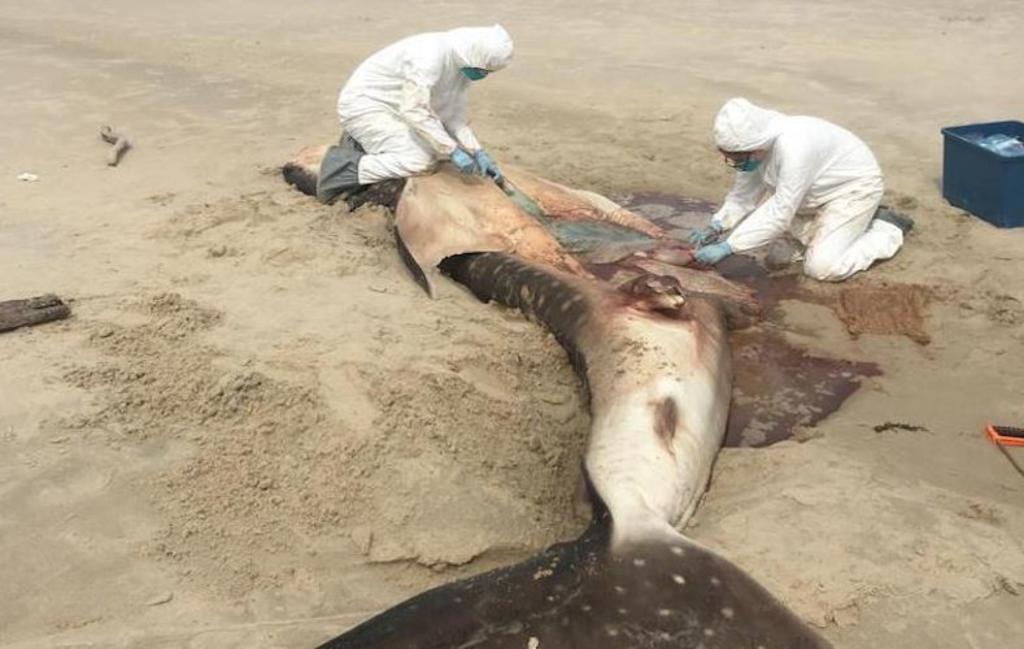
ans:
(256, 430)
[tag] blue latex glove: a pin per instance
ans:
(487, 165)
(702, 236)
(711, 255)
(464, 161)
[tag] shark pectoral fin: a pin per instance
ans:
(417, 272)
(500, 609)
(665, 592)
(676, 593)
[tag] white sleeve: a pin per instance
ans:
(415, 109)
(741, 199)
(774, 216)
(458, 125)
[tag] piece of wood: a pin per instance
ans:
(119, 142)
(33, 311)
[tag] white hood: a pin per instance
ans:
(741, 126)
(489, 48)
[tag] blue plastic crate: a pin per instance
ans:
(983, 182)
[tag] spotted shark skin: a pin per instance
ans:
(657, 595)
(653, 356)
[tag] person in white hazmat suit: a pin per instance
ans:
(805, 176)
(404, 109)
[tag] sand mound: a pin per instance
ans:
(269, 467)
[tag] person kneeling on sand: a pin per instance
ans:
(790, 168)
(404, 109)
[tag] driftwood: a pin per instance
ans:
(33, 311)
(120, 144)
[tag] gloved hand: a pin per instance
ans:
(711, 255)
(702, 236)
(487, 165)
(463, 161)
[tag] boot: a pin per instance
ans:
(339, 170)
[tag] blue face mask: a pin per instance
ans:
(748, 165)
(475, 74)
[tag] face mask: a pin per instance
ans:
(748, 165)
(475, 74)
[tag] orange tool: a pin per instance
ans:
(1005, 435)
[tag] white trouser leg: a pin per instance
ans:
(848, 239)
(393, 150)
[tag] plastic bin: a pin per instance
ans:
(986, 184)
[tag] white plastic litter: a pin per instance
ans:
(1002, 144)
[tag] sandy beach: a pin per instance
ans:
(256, 430)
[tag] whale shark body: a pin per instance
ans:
(649, 339)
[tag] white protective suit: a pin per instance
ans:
(406, 104)
(813, 168)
